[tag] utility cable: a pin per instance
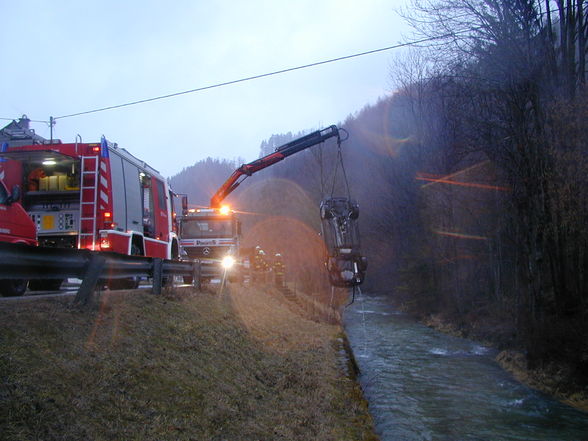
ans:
(268, 74)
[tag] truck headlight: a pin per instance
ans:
(228, 262)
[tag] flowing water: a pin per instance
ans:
(424, 385)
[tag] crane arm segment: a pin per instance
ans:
(279, 154)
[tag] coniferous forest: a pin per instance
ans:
(471, 178)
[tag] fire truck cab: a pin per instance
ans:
(15, 224)
(212, 236)
(96, 196)
(15, 227)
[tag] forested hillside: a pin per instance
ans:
(200, 181)
(471, 178)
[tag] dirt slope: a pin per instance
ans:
(190, 366)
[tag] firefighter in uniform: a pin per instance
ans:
(279, 270)
(264, 266)
(258, 265)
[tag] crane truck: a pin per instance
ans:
(212, 234)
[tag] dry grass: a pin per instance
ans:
(552, 379)
(237, 366)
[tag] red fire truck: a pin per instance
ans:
(15, 227)
(96, 196)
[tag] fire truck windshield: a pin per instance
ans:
(207, 228)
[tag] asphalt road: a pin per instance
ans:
(68, 289)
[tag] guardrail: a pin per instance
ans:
(19, 261)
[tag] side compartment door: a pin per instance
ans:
(119, 203)
(162, 220)
(133, 196)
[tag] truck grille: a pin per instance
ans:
(206, 252)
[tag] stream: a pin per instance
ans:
(425, 385)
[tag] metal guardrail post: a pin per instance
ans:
(90, 279)
(157, 275)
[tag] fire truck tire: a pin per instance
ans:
(135, 249)
(45, 284)
(128, 283)
(175, 250)
(13, 287)
(167, 281)
(114, 284)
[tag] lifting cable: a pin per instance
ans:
(346, 181)
(339, 162)
(353, 296)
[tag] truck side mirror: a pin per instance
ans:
(15, 196)
(184, 204)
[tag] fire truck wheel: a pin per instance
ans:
(13, 287)
(167, 281)
(135, 250)
(175, 251)
(45, 284)
(128, 283)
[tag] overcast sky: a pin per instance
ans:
(62, 57)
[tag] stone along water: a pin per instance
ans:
(424, 385)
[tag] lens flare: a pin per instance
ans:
(460, 235)
(465, 173)
(228, 262)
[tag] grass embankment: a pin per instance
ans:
(196, 366)
(554, 379)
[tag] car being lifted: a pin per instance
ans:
(345, 264)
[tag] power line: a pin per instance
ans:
(52, 120)
(255, 77)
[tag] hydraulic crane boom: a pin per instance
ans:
(280, 153)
